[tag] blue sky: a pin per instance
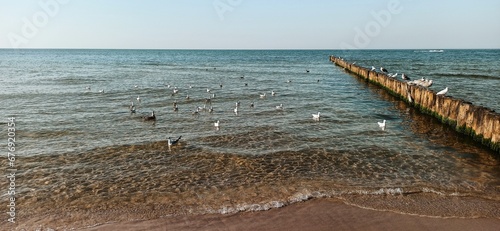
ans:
(250, 24)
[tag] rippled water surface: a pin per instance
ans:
(84, 159)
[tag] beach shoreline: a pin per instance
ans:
(315, 214)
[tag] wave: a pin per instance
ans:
(345, 196)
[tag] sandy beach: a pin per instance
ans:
(317, 214)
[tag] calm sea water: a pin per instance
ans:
(82, 156)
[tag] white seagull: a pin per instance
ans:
(373, 68)
(138, 99)
(443, 92)
(316, 116)
(263, 96)
(273, 93)
(381, 125)
(216, 124)
(280, 107)
(383, 69)
(172, 142)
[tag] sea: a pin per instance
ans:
(83, 158)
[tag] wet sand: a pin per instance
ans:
(317, 214)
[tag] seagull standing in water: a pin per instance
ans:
(381, 125)
(443, 92)
(150, 117)
(132, 107)
(172, 142)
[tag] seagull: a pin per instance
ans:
(394, 76)
(138, 99)
(316, 116)
(381, 125)
(263, 96)
(280, 107)
(410, 99)
(252, 105)
(273, 93)
(235, 110)
(172, 142)
(373, 68)
(238, 104)
(443, 92)
(176, 108)
(307, 71)
(383, 69)
(405, 77)
(289, 81)
(208, 90)
(187, 97)
(220, 85)
(216, 124)
(196, 111)
(175, 91)
(211, 109)
(88, 88)
(151, 117)
(132, 107)
(101, 91)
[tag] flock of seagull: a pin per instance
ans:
(419, 82)
(171, 141)
(207, 107)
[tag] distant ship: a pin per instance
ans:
(436, 51)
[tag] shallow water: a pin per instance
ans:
(84, 159)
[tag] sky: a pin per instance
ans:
(250, 24)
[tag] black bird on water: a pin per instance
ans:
(150, 117)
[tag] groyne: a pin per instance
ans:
(481, 123)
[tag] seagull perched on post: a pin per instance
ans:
(381, 125)
(405, 77)
(373, 68)
(383, 70)
(443, 92)
(172, 142)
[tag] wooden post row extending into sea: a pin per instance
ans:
(481, 123)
